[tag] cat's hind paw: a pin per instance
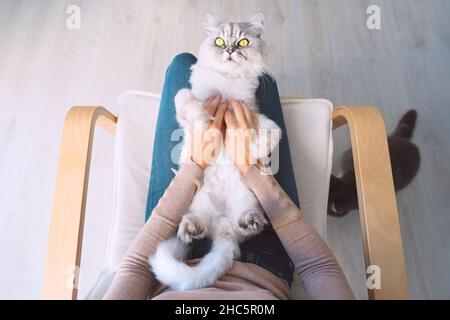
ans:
(191, 227)
(252, 222)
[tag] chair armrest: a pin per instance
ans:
(380, 225)
(69, 201)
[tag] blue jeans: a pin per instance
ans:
(266, 245)
(177, 77)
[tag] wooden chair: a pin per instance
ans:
(380, 227)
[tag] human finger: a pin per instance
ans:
(238, 112)
(229, 120)
(220, 113)
(212, 105)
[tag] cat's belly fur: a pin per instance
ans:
(206, 84)
(223, 193)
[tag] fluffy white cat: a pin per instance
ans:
(231, 59)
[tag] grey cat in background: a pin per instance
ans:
(405, 162)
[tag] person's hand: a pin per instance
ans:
(205, 144)
(242, 128)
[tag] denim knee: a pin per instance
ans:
(182, 61)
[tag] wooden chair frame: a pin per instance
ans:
(380, 226)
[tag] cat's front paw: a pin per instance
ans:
(189, 110)
(252, 222)
(269, 136)
(184, 96)
(191, 227)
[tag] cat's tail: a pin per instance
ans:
(406, 125)
(169, 269)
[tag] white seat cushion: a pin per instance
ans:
(309, 128)
(308, 123)
(137, 114)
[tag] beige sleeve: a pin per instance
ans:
(133, 279)
(320, 273)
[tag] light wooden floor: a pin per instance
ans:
(321, 49)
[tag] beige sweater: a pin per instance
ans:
(320, 274)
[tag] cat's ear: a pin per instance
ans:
(257, 24)
(211, 23)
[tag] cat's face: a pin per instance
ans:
(234, 48)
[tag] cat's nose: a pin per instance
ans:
(230, 51)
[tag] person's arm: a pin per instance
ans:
(133, 279)
(320, 273)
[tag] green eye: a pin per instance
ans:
(220, 42)
(243, 43)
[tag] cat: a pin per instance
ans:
(231, 60)
(405, 162)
